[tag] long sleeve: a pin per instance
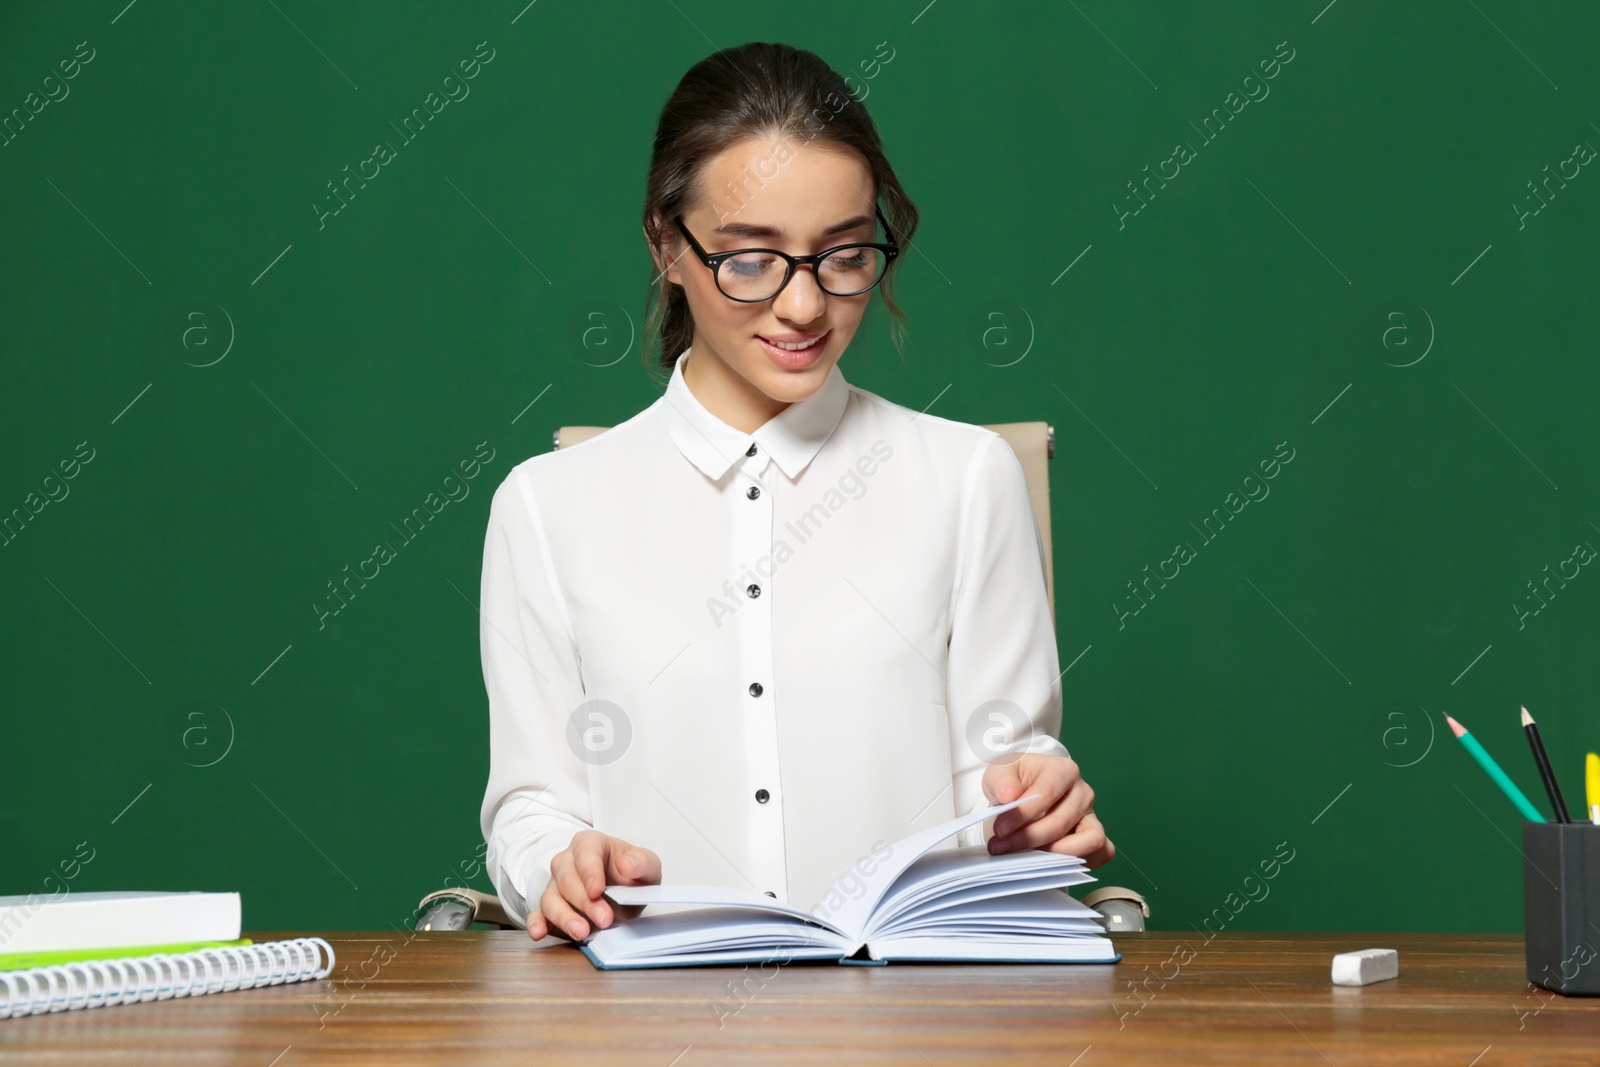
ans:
(1002, 639)
(538, 791)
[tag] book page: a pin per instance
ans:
(849, 904)
(943, 878)
(844, 910)
(711, 896)
(1038, 911)
(997, 950)
(713, 934)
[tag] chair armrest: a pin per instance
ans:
(457, 909)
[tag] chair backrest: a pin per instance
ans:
(1033, 442)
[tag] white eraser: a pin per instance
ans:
(1365, 967)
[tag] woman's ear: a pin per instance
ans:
(657, 253)
(662, 256)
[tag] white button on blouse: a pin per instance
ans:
(758, 654)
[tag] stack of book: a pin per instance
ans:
(97, 949)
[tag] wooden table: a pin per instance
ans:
(480, 997)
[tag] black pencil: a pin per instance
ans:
(1542, 758)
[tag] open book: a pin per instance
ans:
(902, 902)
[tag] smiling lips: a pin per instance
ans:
(794, 351)
(791, 342)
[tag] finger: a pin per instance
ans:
(1048, 777)
(631, 865)
(1002, 782)
(563, 919)
(588, 852)
(559, 916)
(1052, 778)
(1101, 857)
(572, 890)
(589, 861)
(1087, 839)
(540, 926)
(1051, 826)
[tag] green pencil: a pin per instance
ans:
(1486, 761)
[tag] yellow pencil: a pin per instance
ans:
(1591, 779)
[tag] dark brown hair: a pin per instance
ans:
(755, 90)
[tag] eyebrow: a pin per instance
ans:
(746, 229)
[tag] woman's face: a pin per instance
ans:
(762, 193)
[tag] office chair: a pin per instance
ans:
(1035, 445)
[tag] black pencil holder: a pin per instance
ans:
(1561, 905)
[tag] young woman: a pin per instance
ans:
(773, 621)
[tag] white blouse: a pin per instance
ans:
(758, 654)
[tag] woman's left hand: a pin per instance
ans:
(1061, 820)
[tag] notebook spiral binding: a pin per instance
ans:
(139, 979)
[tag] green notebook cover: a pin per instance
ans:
(18, 961)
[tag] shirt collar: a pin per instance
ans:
(793, 436)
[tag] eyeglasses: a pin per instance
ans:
(751, 275)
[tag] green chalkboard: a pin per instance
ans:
(1306, 290)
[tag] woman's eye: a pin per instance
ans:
(748, 266)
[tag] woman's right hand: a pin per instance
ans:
(572, 904)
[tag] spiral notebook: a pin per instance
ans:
(100, 983)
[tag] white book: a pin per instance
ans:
(100, 920)
(906, 902)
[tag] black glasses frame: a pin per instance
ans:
(713, 261)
